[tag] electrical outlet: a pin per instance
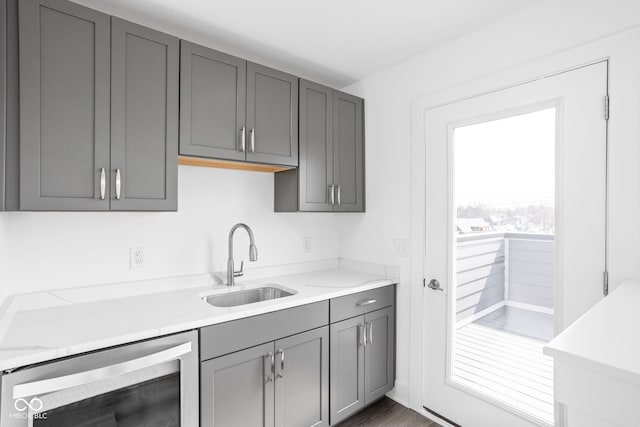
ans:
(401, 248)
(306, 245)
(136, 258)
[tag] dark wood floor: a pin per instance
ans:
(387, 413)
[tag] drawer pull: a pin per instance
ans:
(272, 358)
(366, 302)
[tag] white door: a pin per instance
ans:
(577, 97)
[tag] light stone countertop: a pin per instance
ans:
(48, 325)
(607, 337)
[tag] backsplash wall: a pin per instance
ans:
(50, 250)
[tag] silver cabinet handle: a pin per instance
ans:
(273, 366)
(103, 183)
(370, 332)
(339, 202)
(118, 184)
(252, 132)
(281, 353)
(365, 302)
(332, 194)
(41, 387)
(243, 138)
(363, 335)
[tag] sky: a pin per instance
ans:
(506, 162)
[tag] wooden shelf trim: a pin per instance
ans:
(230, 164)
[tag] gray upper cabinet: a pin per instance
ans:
(64, 106)
(316, 146)
(212, 103)
(272, 116)
(348, 152)
(330, 177)
(98, 111)
(236, 110)
(302, 380)
(237, 389)
(144, 118)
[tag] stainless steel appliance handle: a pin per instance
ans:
(118, 183)
(37, 388)
(366, 302)
(243, 138)
(339, 202)
(103, 183)
(253, 140)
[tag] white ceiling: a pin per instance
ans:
(337, 42)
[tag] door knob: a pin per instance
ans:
(435, 285)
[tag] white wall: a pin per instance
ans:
(59, 250)
(546, 28)
(4, 265)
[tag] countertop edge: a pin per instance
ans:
(47, 355)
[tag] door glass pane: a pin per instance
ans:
(504, 173)
(149, 404)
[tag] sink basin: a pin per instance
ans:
(249, 296)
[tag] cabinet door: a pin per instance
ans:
(348, 154)
(64, 106)
(379, 353)
(347, 368)
(144, 118)
(316, 147)
(302, 380)
(212, 103)
(272, 116)
(237, 389)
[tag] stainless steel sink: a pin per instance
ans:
(249, 296)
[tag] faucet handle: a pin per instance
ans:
(239, 272)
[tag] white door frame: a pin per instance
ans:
(584, 55)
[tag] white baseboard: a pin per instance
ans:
(400, 393)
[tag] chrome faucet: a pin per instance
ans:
(253, 254)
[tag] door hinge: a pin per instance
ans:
(605, 283)
(606, 107)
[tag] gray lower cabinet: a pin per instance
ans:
(302, 379)
(98, 110)
(144, 118)
(283, 383)
(237, 389)
(330, 176)
(362, 352)
(236, 110)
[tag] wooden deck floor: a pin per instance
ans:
(506, 367)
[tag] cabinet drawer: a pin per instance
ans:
(360, 303)
(225, 338)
